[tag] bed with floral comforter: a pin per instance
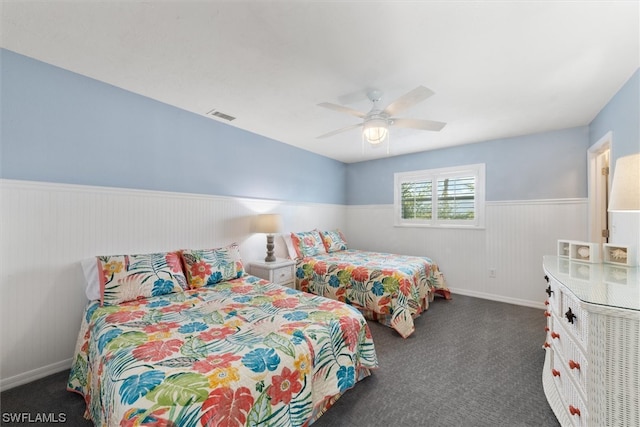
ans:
(392, 289)
(242, 352)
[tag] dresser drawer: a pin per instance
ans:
(551, 329)
(576, 318)
(572, 400)
(555, 300)
(554, 296)
(591, 375)
(573, 358)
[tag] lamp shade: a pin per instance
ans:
(268, 223)
(625, 189)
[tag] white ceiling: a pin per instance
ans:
(498, 68)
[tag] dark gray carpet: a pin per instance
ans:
(471, 362)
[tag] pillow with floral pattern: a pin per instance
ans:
(131, 277)
(208, 267)
(334, 240)
(308, 243)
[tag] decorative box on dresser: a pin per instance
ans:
(591, 374)
(281, 271)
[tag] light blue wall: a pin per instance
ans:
(621, 115)
(58, 126)
(541, 166)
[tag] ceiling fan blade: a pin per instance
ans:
(335, 132)
(409, 99)
(418, 124)
(342, 109)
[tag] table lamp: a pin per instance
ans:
(269, 224)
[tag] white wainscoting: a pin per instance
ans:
(48, 228)
(516, 236)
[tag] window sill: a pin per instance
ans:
(442, 226)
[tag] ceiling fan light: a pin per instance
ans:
(375, 131)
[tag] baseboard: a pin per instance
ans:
(36, 374)
(499, 298)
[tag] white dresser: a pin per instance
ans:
(591, 373)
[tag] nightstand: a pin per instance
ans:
(281, 271)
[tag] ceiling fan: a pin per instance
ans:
(375, 123)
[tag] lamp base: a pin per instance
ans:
(270, 246)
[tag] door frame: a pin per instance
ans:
(597, 219)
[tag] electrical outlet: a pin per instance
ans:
(492, 273)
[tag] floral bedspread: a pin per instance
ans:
(244, 352)
(392, 289)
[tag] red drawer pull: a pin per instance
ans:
(546, 302)
(573, 410)
(555, 372)
(555, 335)
(546, 329)
(547, 313)
(573, 364)
(546, 345)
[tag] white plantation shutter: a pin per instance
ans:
(456, 198)
(417, 199)
(440, 197)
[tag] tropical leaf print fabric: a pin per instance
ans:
(245, 352)
(130, 277)
(207, 267)
(392, 289)
(334, 240)
(308, 243)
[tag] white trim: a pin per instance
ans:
(35, 374)
(538, 202)
(564, 201)
(380, 206)
(93, 189)
(123, 191)
(499, 298)
(446, 226)
(595, 218)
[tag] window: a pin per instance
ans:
(447, 197)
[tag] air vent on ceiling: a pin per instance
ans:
(220, 115)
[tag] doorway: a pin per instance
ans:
(599, 185)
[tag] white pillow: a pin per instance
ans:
(289, 244)
(90, 270)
